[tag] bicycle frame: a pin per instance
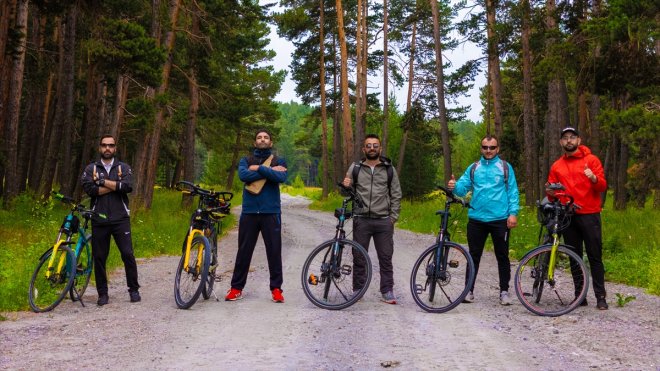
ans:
(553, 228)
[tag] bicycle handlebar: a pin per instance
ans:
(453, 199)
(87, 213)
(197, 190)
(352, 194)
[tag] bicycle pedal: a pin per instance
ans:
(418, 289)
(313, 280)
(346, 269)
(453, 263)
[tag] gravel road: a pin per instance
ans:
(257, 334)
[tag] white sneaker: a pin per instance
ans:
(469, 298)
(505, 299)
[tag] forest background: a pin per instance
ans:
(183, 84)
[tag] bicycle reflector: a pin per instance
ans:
(313, 280)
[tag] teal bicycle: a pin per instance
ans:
(62, 269)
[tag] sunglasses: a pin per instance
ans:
(489, 148)
(374, 146)
(108, 145)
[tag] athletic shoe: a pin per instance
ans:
(601, 303)
(388, 297)
(135, 296)
(103, 300)
(505, 299)
(233, 295)
(277, 296)
(469, 298)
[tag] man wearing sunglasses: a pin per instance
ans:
(108, 182)
(378, 184)
(494, 209)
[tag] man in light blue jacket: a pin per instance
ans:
(494, 210)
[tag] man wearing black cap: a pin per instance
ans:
(582, 175)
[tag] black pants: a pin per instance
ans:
(477, 233)
(121, 232)
(586, 229)
(249, 227)
(382, 231)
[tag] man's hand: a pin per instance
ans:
(590, 174)
(100, 182)
(254, 167)
(451, 184)
(347, 182)
(278, 168)
(512, 222)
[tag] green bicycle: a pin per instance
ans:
(61, 269)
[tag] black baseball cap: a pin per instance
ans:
(567, 129)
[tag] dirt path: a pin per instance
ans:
(256, 334)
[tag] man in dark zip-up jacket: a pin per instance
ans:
(108, 182)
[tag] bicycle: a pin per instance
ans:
(328, 278)
(551, 279)
(61, 269)
(445, 266)
(196, 274)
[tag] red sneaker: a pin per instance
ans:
(233, 295)
(277, 296)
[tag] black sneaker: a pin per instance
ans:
(601, 304)
(103, 300)
(135, 296)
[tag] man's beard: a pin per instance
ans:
(569, 147)
(107, 155)
(372, 155)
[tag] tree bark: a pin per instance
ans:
(440, 92)
(346, 105)
(336, 122)
(386, 101)
(531, 144)
(494, 66)
(121, 97)
(12, 181)
(324, 123)
(235, 157)
(191, 123)
(411, 76)
(359, 81)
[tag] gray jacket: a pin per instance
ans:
(380, 202)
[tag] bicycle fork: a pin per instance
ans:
(186, 260)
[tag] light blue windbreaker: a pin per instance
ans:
(491, 199)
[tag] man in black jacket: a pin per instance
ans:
(108, 182)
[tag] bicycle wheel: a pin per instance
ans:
(83, 272)
(329, 277)
(211, 277)
(189, 280)
(551, 297)
(47, 292)
(438, 290)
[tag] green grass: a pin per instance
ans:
(29, 228)
(630, 249)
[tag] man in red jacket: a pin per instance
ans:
(582, 175)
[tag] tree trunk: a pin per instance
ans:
(191, 123)
(67, 179)
(121, 97)
(594, 124)
(440, 92)
(494, 66)
(12, 181)
(531, 145)
(359, 97)
(235, 157)
(346, 104)
(324, 123)
(411, 76)
(386, 101)
(338, 173)
(7, 20)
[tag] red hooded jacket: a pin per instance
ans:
(569, 171)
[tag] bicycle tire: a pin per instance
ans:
(46, 293)
(331, 286)
(189, 283)
(453, 282)
(543, 297)
(84, 267)
(210, 278)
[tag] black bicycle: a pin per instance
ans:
(328, 275)
(443, 274)
(196, 274)
(551, 279)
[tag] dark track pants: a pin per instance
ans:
(382, 231)
(121, 232)
(586, 229)
(249, 227)
(477, 233)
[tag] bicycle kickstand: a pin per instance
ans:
(78, 296)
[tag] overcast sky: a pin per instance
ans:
(284, 48)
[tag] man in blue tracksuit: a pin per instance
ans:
(494, 210)
(261, 213)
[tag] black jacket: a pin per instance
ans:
(114, 204)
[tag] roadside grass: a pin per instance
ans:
(29, 228)
(630, 248)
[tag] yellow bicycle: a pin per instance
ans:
(196, 273)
